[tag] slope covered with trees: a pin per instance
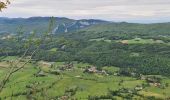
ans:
(108, 45)
(40, 24)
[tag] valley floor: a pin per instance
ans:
(41, 81)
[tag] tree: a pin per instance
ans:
(4, 4)
(29, 43)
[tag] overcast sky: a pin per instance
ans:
(114, 10)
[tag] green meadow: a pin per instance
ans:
(24, 84)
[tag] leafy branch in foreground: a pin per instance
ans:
(31, 45)
(4, 4)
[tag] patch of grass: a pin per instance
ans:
(53, 49)
(87, 84)
(101, 39)
(111, 69)
(9, 58)
(141, 41)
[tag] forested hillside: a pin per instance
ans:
(40, 24)
(144, 48)
(125, 31)
(123, 60)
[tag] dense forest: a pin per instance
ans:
(106, 45)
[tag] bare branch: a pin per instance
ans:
(15, 70)
(14, 65)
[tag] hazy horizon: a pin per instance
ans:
(138, 11)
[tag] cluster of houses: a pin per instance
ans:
(53, 70)
(151, 80)
(67, 67)
(93, 69)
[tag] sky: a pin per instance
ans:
(143, 11)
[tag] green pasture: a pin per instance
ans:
(53, 86)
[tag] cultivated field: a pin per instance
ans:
(74, 83)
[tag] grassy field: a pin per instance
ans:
(101, 39)
(52, 86)
(133, 41)
(141, 41)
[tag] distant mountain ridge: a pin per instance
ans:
(122, 31)
(40, 24)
